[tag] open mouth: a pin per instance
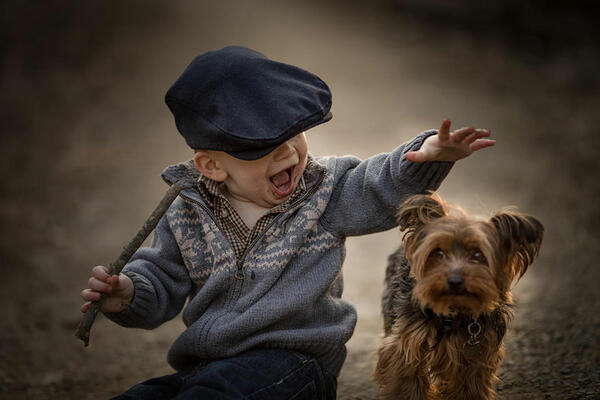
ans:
(283, 182)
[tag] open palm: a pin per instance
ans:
(451, 146)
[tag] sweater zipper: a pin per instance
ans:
(239, 273)
(202, 206)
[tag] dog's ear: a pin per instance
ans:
(419, 210)
(520, 239)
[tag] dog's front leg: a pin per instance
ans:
(401, 370)
(476, 382)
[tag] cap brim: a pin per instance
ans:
(255, 154)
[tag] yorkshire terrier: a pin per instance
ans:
(447, 300)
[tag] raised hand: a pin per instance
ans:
(451, 146)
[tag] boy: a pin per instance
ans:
(255, 240)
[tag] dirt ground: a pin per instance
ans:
(85, 135)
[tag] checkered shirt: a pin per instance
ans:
(235, 229)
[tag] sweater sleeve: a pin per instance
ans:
(367, 193)
(161, 282)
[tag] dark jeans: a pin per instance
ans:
(256, 374)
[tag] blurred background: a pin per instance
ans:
(85, 134)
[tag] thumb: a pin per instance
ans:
(415, 156)
(115, 282)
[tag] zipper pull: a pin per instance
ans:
(239, 273)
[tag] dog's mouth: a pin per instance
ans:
(458, 293)
(466, 302)
(461, 296)
(446, 302)
(283, 182)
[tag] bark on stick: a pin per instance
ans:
(83, 330)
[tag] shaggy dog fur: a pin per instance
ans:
(447, 301)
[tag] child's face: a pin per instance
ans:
(267, 181)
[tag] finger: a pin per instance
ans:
(99, 286)
(477, 134)
(444, 132)
(90, 295)
(460, 134)
(415, 156)
(100, 272)
(114, 281)
(85, 307)
(482, 143)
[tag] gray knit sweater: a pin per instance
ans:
(286, 290)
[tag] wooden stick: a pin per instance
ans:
(83, 330)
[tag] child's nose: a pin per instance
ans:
(284, 151)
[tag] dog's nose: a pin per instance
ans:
(456, 284)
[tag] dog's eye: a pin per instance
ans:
(438, 253)
(478, 257)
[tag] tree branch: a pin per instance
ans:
(83, 330)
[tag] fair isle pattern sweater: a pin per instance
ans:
(286, 289)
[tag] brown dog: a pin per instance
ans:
(447, 300)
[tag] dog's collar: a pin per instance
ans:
(474, 327)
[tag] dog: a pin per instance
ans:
(447, 299)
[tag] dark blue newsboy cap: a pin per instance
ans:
(238, 101)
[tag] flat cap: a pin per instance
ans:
(238, 101)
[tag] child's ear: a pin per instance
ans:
(520, 237)
(419, 210)
(208, 166)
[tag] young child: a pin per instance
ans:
(255, 241)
